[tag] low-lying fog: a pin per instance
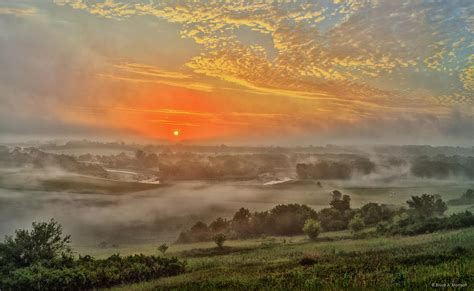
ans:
(151, 193)
(159, 214)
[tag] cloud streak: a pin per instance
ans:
(17, 11)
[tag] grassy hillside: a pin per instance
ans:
(382, 263)
(68, 182)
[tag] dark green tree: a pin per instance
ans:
(340, 202)
(44, 243)
(426, 206)
(241, 222)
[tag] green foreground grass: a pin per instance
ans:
(381, 263)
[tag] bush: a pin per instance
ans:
(412, 226)
(356, 224)
(312, 228)
(163, 248)
(219, 239)
(41, 259)
(91, 274)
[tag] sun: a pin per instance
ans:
(175, 133)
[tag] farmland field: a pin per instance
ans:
(380, 263)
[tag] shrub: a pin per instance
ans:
(41, 259)
(312, 228)
(91, 274)
(219, 239)
(163, 248)
(356, 224)
(411, 226)
(383, 227)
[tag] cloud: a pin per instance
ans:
(148, 70)
(332, 63)
(340, 47)
(141, 73)
(17, 11)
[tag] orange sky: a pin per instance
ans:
(379, 70)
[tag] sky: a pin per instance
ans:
(300, 73)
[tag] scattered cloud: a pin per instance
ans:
(296, 66)
(17, 11)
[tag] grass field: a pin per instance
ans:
(67, 182)
(382, 263)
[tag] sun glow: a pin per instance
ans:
(175, 133)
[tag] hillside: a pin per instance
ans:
(383, 263)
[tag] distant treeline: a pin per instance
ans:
(439, 167)
(288, 220)
(169, 165)
(425, 213)
(342, 169)
(32, 157)
(192, 166)
(406, 150)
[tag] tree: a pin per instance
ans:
(219, 239)
(331, 219)
(241, 222)
(44, 243)
(312, 228)
(219, 225)
(289, 219)
(199, 227)
(242, 214)
(338, 203)
(426, 206)
(356, 224)
(200, 232)
(371, 213)
(163, 248)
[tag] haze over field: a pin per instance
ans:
(133, 194)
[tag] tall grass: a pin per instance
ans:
(382, 263)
